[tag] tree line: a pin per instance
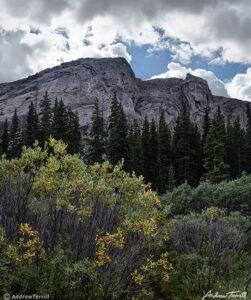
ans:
(168, 157)
(58, 121)
(165, 156)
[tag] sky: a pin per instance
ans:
(160, 38)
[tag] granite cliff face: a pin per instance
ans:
(80, 82)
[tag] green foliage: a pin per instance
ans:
(231, 196)
(117, 144)
(97, 136)
(208, 251)
(186, 150)
(166, 174)
(45, 119)
(80, 231)
(214, 163)
(32, 126)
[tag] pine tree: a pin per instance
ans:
(46, 119)
(214, 164)
(248, 142)
(171, 179)
(153, 162)
(135, 150)
(186, 150)
(165, 153)
(73, 133)
(97, 136)
(146, 149)
(235, 149)
(59, 121)
(5, 137)
(206, 128)
(117, 145)
(32, 128)
(15, 143)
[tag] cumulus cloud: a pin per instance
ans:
(240, 86)
(93, 27)
(176, 70)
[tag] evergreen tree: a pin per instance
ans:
(214, 164)
(171, 179)
(165, 154)
(15, 143)
(46, 119)
(117, 146)
(5, 137)
(73, 133)
(135, 150)
(236, 149)
(206, 128)
(97, 136)
(248, 141)
(32, 128)
(153, 162)
(59, 121)
(146, 149)
(186, 150)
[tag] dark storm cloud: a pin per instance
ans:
(39, 11)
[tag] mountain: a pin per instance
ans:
(80, 82)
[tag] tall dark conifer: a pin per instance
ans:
(45, 119)
(153, 162)
(165, 153)
(186, 149)
(59, 121)
(73, 133)
(135, 150)
(214, 163)
(32, 128)
(15, 142)
(5, 137)
(97, 136)
(146, 149)
(117, 145)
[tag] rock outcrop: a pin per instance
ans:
(80, 82)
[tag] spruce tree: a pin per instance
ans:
(45, 119)
(248, 141)
(153, 162)
(165, 154)
(171, 179)
(205, 128)
(186, 150)
(135, 150)
(146, 149)
(97, 136)
(15, 143)
(5, 137)
(73, 133)
(214, 164)
(117, 145)
(59, 121)
(32, 128)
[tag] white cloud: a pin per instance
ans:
(200, 27)
(240, 86)
(176, 70)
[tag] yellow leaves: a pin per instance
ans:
(29, 243)
(213, 213)
(137, 277)
(104, 242)
(12, 253)
(58, 146)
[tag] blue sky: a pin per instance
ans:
(161, 38)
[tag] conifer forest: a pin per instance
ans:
(127, 211)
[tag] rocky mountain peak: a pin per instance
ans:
(80, 82)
